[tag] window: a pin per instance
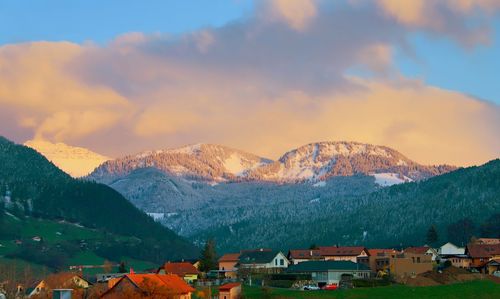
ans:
(282, 262)
(276, 262)
(418, 259)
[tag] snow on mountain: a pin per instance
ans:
(319, 161)
(312, 162)
(389, 179)
(76, 161)
(208, 162)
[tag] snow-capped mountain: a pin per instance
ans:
(75, 161)
(207, 162)
(321, 160)
(312, 162)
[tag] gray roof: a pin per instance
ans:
(322, 266)
(257, 257)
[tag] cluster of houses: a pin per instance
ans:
(330, 264)
(324, 266)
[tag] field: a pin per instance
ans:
(52, 233)
(473, 289)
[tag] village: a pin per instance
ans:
(316, 269)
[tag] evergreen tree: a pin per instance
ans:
(461, 231)
(313, 246)
(208, 256)
(432, 235)
(122, 268)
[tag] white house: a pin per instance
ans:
(263, 259)
(450, 249)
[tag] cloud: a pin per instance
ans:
(451, 18)
(262, 85)
(34, 82)
(295, 13)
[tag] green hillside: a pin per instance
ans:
(39, 199)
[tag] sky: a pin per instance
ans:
(264, 76)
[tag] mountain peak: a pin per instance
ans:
(76, 161)
(310, 162)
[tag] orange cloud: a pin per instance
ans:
(296, 13)
(34, 80)
(255, 85)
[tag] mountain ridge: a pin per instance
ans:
(312, 162)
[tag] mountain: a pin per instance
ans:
(321, 160)
(76, 161)
(392, 216)
(32, 187)
(206, 162)
(198, 189)
(312, 162)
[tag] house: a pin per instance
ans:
(184, 270)
(488, 241)
(423, 250)
(150, 286)
(37, 238)
(105, 277)
(409, 264)
(480, 254)
(355, 254)
(296, 256)
(63, 280)
(227, 264)
(330, 272)
(263, 260)
(460, 261)
(379, 259)
(492, 266)
(230, 291)
(450, 249)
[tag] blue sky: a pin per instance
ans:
(100, 21)
(443, 63)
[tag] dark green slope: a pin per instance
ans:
(403, 213)
(392, 216)
(39, 189)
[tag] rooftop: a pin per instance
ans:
(321, 266)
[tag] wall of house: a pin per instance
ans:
(460, 262)
(190, 277)
(341, 258)
(410, 265)
(227, 265)
(280, 261)
(234, 293)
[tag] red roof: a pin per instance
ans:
(229, 257)
(181, 269)
(490, 241)
(304, 253)
(341, 251)
(417, 250)
(483, 250)
(175, 284)
(229, 286)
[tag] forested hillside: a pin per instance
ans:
(31, 186)
(393, 216)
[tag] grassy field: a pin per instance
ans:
(54, 232)
(474, 289)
